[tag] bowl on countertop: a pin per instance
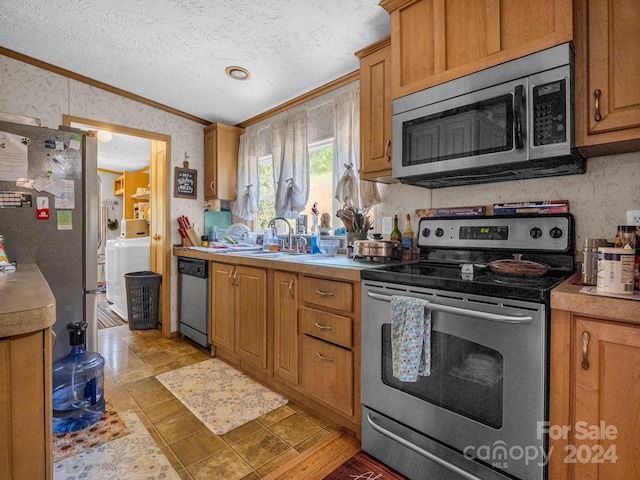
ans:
(329, 247)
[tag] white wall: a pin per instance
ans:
(34, 92)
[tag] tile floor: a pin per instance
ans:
(132, 360)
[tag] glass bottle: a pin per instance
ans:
(407, 240)
(78, 385)
(315, 231)
(395, 233)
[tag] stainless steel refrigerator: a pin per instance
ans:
(65, 246)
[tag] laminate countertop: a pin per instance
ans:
(567, 296)
(339, 267)
(26, 302)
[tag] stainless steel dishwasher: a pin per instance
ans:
(193, 292)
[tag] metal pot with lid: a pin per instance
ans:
(384, 249)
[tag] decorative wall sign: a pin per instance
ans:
(185, 182)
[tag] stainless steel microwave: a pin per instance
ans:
(508, 122)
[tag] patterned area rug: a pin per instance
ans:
(364, 466)
(108, 428)
(219, 395)
(133, 457)
(106, 318)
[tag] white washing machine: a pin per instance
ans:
(131, 255)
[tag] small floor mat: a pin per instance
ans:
(108, 428)
(132, 457)
(106, 318)
(219, 395)
(363, 466)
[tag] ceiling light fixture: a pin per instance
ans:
(104, 136)
(237, 73)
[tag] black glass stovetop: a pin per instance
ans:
(478, 281)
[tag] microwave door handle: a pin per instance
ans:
(518, 112)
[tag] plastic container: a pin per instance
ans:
(78, 385)
(615, 270)
(143, 295)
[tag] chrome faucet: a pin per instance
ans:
(272, 224)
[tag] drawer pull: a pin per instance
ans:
(323, 327)
(596, 96)
(324, 294)
(585, 350)
(322, 357)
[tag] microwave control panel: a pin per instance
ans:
(550, 113)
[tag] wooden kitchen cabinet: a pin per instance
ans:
(239, 312)
(25, 406)
(221, 144)
(595, 397)
(285, 326)
(434, 41)
(376, 110)
(607, 44)
(329, 355)
(126, 185)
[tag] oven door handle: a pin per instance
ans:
(420, 451)
(494, 317)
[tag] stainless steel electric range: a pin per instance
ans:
(481, 412)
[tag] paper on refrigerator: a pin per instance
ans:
(14, 156)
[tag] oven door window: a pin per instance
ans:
(461, 373)
(476, 129)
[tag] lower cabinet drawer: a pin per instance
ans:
(326, 326)
(327, 373)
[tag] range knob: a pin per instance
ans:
(556, 232)
(426, 232)
(439, 232)
(535, 232)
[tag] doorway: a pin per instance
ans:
(159, 203)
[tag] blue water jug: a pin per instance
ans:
(78, 385)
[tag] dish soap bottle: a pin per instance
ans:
(78, 385)
(395, 233)
(407, 240)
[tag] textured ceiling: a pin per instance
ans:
(175, 51)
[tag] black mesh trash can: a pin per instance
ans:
(143, 295)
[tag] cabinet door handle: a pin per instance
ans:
(322, 357)
(387, 150)
(323, 327)
(324, 294)
(212, 187)
(291, 289)
(585, 350)
(236, 279)
(231, 276)
(596, 97)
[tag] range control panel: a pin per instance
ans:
(541, 232)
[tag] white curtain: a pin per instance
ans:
(290, 164)
(247, 204)
(346, 153)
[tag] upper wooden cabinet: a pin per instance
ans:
(127, 185)
(434, 41)
(376, 109)
(221, 143)
(607, 42)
